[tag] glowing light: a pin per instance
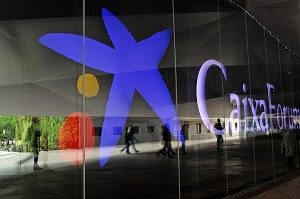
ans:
(91, 86)
(134, 65)
(256, 105)
(201, 101)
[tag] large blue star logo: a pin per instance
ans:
(134, 65)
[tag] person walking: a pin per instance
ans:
(129, 139)
(167, 142)
(185, 132)
(220, 140)
(35, 134)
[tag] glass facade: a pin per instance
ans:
(121, 99)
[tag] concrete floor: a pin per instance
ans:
(204, 172)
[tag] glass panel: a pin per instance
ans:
(240, 153)
(258, 103)
(198, 40)
(129, 49)
(121, 99)
(39, 91)
(295, 64)
(275, 98)
(289, 146)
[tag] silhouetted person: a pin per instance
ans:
(44, 148)
(129, 139)
(289, 145)
(167, 142)
(185, 132)
(35, 134)
(220, 140)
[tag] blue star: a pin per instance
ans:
(134, 65)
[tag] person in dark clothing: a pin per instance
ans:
(220, 140)
(129, 139)
(185, 132)
(35, 134)
(289, 145)
(167, 142)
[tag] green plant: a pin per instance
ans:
(7, 126)
(50, 126)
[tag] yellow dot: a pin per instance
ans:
(91, 86)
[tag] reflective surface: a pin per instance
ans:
(108, 100)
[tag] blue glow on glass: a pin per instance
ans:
(134, 65)
(201, 101)
(244, 88)
(286, 116)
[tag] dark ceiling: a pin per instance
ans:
(280, 17)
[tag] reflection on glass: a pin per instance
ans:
(129, 61)
(56, 111)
